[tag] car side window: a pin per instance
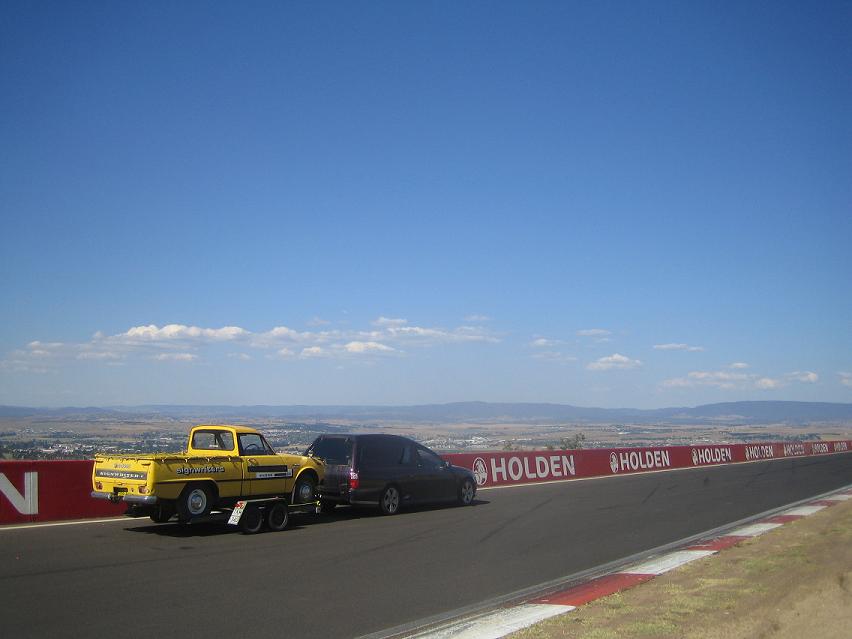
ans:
(381, 454)
(428, 458)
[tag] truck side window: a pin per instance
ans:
(253, 444)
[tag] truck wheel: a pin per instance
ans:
(194, 501)
(304, 492)
(389, 501)
(252, 520)
(162, 513)
(277, 516)
(466, 492)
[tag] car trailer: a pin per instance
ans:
(251, 514)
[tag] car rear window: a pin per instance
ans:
(333, 450)
(377, 453)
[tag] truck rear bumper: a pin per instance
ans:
(144, 500)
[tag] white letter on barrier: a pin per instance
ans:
(26, 504)
(495, 469)
(568, 464)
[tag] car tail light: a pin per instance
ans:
(99, 485)
(353, 479)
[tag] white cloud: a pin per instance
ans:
(806, 377)
(477, 318)
(731, 380)
(767, 383)
(845, 378)
(593, 332)
(317, 321)
(175, 357)
(678, 347)
(543, 342)
(172, 342)
(554, 356)
(390, 321)
(153, 333)
(99, 355)
(739, 365)
(614, 361)
(367, 347)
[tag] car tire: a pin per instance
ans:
(467, 491)
(304, 491)
(277, 516)
(251, 521)
(390, 500)
(162, 513)
(196, 500)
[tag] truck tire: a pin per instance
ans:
(277, 516)
(305, 490)
(196, 500)
(252, 520)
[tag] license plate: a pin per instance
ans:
(234, 519)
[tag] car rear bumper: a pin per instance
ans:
(143, 500)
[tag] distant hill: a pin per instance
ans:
(729, 412)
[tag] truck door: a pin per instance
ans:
(266, 472)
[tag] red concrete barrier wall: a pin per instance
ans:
(523, 467)
(33, 491)
(49, 490)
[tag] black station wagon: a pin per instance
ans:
(387, 471)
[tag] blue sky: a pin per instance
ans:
(611, 204)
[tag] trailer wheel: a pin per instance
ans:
(252, 520)
(162, 513)
(277, 516)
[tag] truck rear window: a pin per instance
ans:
(212, 440)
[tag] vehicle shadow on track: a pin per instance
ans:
(216, 525)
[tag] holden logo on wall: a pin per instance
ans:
(694, 457)
(480, 471)
(613, 462)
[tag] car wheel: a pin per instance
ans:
(389, 501)
(194, 501)
(277, 516)
(466, 492)
(162, 513)
(304, 492)
(251, 521)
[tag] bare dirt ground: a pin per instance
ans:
(790, 583)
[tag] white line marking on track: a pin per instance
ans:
(840, 497)
(76, 522)
(752, 530)
(497, 624)
(803, 511)
(672, 560)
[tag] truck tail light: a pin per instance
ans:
(353, 479)
(143, 490)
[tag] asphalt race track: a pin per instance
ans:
(354, 573)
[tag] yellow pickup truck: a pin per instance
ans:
(221, 465)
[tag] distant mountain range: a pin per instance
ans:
(729, 412)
